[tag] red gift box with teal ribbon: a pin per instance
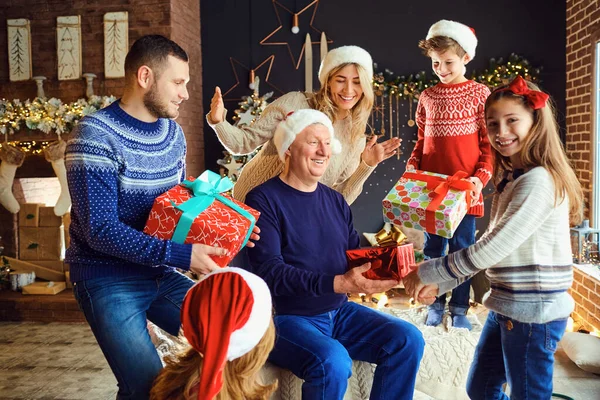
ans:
(199, 211)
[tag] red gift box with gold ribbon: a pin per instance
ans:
(389, 262)
(392, 258)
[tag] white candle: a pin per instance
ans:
(308, 67)
(323, 46)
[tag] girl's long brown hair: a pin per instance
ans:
(542, 147)
(360, 112)
(179, 379)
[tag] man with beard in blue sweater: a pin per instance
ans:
(118, 161)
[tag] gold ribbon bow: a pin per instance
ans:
(394, 237)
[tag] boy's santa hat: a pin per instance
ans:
(345, 55)
(295, 122)
(223, 317)
(461, 33)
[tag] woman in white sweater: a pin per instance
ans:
(346, 97)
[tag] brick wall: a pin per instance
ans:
(583, 25)
(586, 293)
(185, 30)
(177, 19)
(583, 30)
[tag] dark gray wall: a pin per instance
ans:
(390, 31)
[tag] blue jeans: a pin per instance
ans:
(518, 352)
(319, 349)
(117, 308)
(435, 247)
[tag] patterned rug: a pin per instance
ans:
(448, 354)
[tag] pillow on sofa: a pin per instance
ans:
(583, 350)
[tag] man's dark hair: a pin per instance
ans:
(152, 51)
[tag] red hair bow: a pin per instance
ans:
(535, 99)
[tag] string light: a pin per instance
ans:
(498, 73)
(589, 253)
(30, 147)
(47, 115)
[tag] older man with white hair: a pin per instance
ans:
(306, 229)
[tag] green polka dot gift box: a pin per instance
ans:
(430, 202)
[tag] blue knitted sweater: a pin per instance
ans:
(116, 167)
(303, 241)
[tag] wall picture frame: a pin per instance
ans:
(116, 43)
(19, 49)
(68, 47)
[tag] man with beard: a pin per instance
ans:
(118, 161)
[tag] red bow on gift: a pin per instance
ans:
(440, 187)
(535, 98)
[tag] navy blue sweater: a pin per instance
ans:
(302, 247)
(116, 167)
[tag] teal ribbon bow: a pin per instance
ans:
(206, 189)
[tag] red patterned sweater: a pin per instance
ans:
(452, 136)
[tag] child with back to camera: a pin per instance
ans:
(226, 318)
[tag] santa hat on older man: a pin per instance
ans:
(461, 33)
(295, 122)
(223, 317)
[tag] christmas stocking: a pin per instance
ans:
(55, 154)
(12, 158)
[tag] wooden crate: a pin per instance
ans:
(40, 272)
(55, 265)
(29, 215)
(41, 243)
(44, 288)
(48, 218)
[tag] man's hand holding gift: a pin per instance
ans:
(353, 281)
(202, 263)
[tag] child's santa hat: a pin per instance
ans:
(461, 33)
(345, 55)
(223, 317)
(295, 122)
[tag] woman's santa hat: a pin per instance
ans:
(461, 33)
(345, 55)
(223, 317)
(295, 122)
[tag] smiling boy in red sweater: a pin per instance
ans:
(451, 138)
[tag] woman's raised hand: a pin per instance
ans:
(217, 107)
(375, 153)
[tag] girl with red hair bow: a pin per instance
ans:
(525, 251)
